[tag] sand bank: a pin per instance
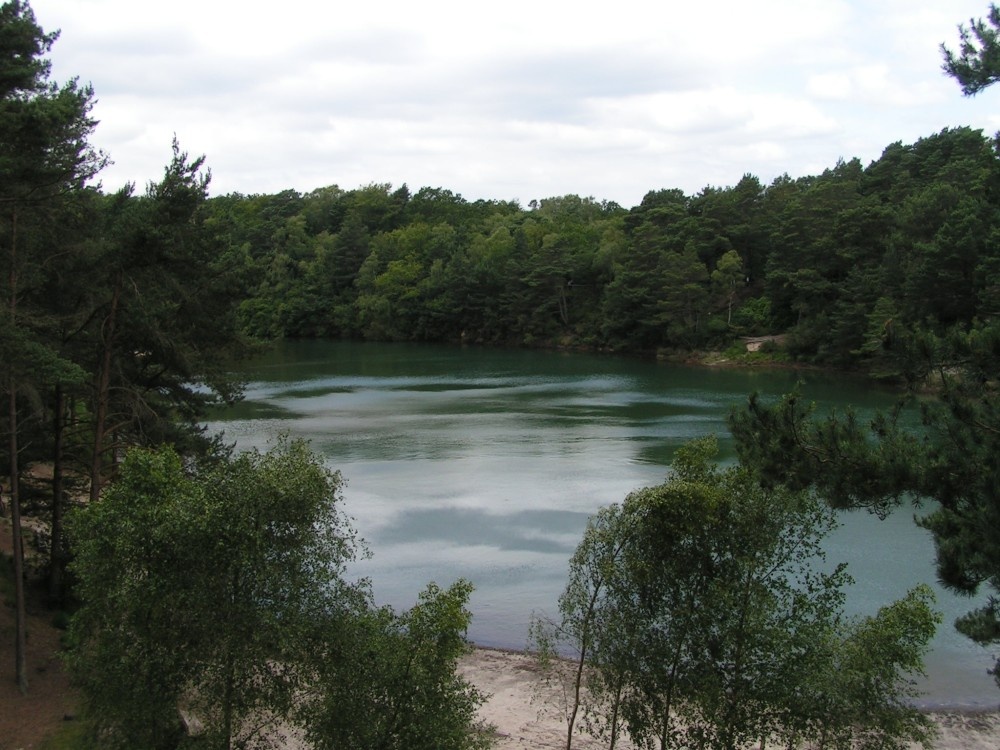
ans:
(527, 712)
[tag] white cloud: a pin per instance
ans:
(874, 85)
(839, 86)
(523, 100)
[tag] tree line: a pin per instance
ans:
(839, 262)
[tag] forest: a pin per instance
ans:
(124, 314)
(840, 262)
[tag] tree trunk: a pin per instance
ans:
(615, 707)
(580, 665)
(103, 394)
(736, 672)
(56, 559)
(577, 683)
(563, 304)
(227, 707)
(20, 627)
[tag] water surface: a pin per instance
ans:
(486, 464)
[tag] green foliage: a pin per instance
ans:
(786, 446)
(863, 695)
(811, 257)
(389, 681)
(943, 449)
(221, 593)
(31, 362)
(200, 589)
(753, 317)
(130, 654)
(698, 617)
(160, 334)
(977, 64)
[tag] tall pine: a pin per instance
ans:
(44, 158)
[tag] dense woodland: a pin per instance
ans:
(839, 261)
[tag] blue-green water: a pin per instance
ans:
(486, 463)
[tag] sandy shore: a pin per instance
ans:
(528, 713)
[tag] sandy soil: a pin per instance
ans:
(25, 720)
(528, 713)
(525, 709)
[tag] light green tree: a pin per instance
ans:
(388, 680)
(726, 280)
(860, 696)
(218, 593)
(699, 617)
(199, 591)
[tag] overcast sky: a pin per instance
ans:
(510, 100)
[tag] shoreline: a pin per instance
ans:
(925, 704)
(527, 711)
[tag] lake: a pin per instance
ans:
(486, 463)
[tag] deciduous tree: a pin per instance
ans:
(701, 614)
(200, 591)
(218, 591)
(388, 680)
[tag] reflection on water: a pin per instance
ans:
(486, 464)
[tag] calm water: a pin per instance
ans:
(486, 463)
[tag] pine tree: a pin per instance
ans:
(44, 158)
